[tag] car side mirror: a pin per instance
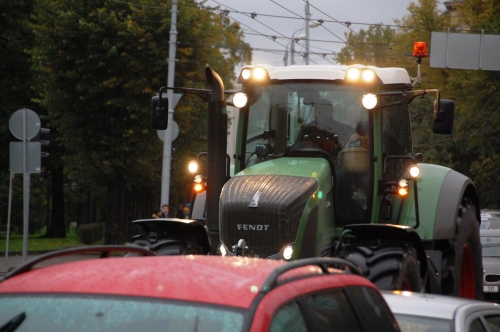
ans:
(444, 112)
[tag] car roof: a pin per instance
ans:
(232, 281)
(430, 305)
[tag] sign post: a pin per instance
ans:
(25, 157)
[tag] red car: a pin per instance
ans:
(190, 293)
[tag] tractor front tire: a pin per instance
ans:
(187, 247)
(390, 266)
(462, 265)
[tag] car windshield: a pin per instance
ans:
(286, 116)
(98, 313)
(491, 246)
(410, 323)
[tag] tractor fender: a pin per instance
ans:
(454, 189)
(388, 233)
(440, 194)
(180, 228)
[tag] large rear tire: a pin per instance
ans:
(462, 265)
(171, 246)
(390, 266)
(188, 247)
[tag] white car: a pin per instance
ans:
(490, 219)
(490, 241)
(417, 312)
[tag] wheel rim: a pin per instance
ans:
(406, 285)
(467, 279)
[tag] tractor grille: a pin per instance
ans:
(274, 221)
(492, 277)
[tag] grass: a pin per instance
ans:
(36, 242)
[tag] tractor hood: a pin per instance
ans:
(265, 203)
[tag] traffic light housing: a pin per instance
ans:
(159, 112)
(43, 143)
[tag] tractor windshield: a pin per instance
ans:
(284, 117)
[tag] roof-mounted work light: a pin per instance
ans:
(256, 74)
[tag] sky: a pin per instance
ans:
(286, 18)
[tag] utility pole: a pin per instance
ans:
(308, 18)
(167, 140)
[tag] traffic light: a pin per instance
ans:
(159, 112)
(43, 143)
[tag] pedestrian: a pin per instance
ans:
(156, 213)
(180, 212)
(165, 211)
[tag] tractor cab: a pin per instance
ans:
(318, 148)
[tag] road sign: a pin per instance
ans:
(19, 119)
(175, 131)
(465, 51)
(33, 157)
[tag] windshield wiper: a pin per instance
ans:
(12, 324)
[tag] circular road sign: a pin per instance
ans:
(17, 121)
(175, 131)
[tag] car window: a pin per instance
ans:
(288, 318)
(331, 311)
(476, 326)
(371, 307)
(493, 322)
(100, 313)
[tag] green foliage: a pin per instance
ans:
(90, 233)
(96, 64)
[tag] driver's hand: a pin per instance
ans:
(353, 138)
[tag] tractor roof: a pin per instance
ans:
(390, 75)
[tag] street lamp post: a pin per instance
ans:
(312, 25)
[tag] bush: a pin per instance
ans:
(90, 233)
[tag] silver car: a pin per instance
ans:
(416, 312)
(490, 240)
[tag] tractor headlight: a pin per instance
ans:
(353, 74)
(403, 188)
(288, 252)
(246, 73)
(240, 99)
(223, 250)
(414, 171)
(259, 73)
(369, 101)
(193, 166)
(368, 75)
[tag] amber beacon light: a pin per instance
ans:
(420, 49)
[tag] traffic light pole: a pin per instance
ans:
(167, 140)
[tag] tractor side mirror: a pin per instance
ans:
(444, 112)
(159, 112)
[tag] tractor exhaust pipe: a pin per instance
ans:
(216, 149)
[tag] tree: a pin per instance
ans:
(98, 63)
(15, 93)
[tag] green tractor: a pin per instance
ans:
(324, 166)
